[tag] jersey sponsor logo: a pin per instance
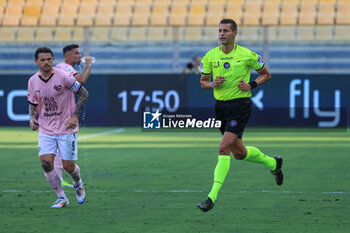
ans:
(233, 123)
(226, 58)
(58, 87)
(202, 67)
(260, 60)
(227, 65)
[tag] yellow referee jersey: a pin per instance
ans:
(234, 67)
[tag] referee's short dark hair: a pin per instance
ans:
(69, 48)
(42, 50)
(229, 21)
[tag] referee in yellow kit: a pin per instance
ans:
(230, 66)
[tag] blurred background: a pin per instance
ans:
(299, 39)
(161, 36)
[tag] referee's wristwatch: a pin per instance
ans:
(253, 85)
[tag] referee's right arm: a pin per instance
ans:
(207, 72)
(206, 84)
(205, 81)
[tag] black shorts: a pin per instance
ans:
(233, 114)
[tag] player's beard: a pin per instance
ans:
(46, 69)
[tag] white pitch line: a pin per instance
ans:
(183, 191)
(101, 134)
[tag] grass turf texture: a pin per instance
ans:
(151, 182)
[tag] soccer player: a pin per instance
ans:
(230, 66)
(72, 57)
(52, 109)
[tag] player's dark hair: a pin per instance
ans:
(42, 50)
(69, 48)
(229, 21)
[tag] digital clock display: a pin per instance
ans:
(130, 96)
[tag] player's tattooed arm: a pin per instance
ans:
(33, 113)
(33, 110)
(83, 97)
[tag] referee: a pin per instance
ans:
(230, 66)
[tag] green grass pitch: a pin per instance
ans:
(151, 182)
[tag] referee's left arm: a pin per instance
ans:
(263, 77)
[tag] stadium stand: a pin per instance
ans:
(326, 14)
(289, 13)
(234, 10)
(137, 34)
(173, 13)
(142, 13)
(325, 33)
(160, 13)
(178, 13)
(271, 13)
(308, 13)
(156, 25)
(156, 34)
(306, 33)
(44, 34)
(79, 34)
(63, 34)
(119, 34)
(252, 13)
(196, 14)
(100, 34)
(25, 34)
(216, 12)
(8, 34)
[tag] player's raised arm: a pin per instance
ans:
(85, 75)
(72, 57)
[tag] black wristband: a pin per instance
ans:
(253, 85)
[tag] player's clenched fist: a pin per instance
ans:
(72, 123)
(33, 123)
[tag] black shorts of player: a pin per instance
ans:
(233, 114)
